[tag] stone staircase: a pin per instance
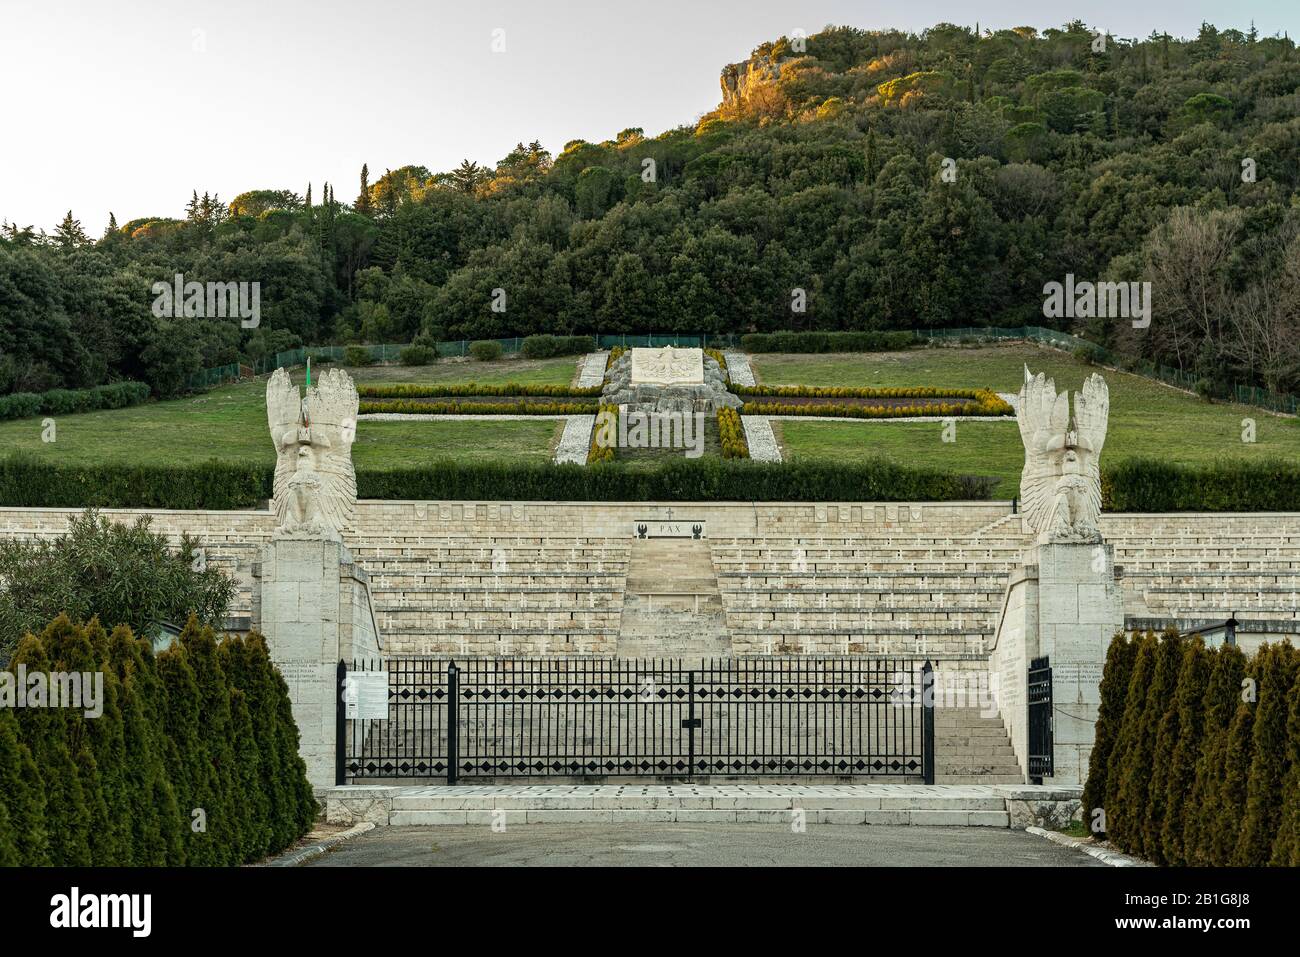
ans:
(972, 748)
(671, 605)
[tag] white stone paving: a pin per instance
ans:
(738, 369)
(593, 370)
(761, 438)
(576, 440)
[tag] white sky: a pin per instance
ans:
(129, 105)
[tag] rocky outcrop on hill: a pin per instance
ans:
(739, 79)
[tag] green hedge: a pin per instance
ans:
(426, 390)
(118, 395)
(418, 407)
(1197, 753)
(1128, 485)
(1152, 485)
(827, 341)
(548, 346)
(34, 483)
(193, 761)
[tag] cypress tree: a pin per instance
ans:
(188, 768)
(225, 820)
(256, 829)
(45, 731)
(8, 849)
(258, 786)
(155, 819)
(1193, 680)
(1220, 706)
(1114, 690)
(71, 651)
(301, 800)
(1222, 821)
(23, 796)
(1162, 713)
(1286, 849)
(1129, 761)
(1268, 764)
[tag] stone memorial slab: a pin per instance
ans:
(670, 529)
(667, 366)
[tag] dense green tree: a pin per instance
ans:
(1181, 733)
(1110, 714)
(1277, 666)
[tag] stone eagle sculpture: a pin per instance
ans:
(315, 485)
(1060, 487)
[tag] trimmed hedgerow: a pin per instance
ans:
(416, 407)
(202, 732)
(118, 395)
(428, 390)
(1152, 485)
(1202, 766)
(827, 341)
(30, 483)
(846, 411)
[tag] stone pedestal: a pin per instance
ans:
(313, 605)
(1080, 609)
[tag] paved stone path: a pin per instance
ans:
(686, 845)
(761, 438)
(575, 443)
(593, 370)
(738, 368)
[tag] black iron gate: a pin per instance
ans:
(1040, 720)
(602, 717)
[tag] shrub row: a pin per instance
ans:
(193, 761)
(548, 346)
(28, 482)
(866, 392)
(732, 435)
(717, 356)
(1152, 485)
(826, 341)
(1197, 753)
(602, 450)
(411, 406)
(422, 390)
(118, 395)
(1127, 485)
(676, 479)
(943, 409)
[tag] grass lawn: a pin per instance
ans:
(1146, 418)
(229, 423)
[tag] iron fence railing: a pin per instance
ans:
(590, 717)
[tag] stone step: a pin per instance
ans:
(935, 818)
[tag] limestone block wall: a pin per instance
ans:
(807, 578)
